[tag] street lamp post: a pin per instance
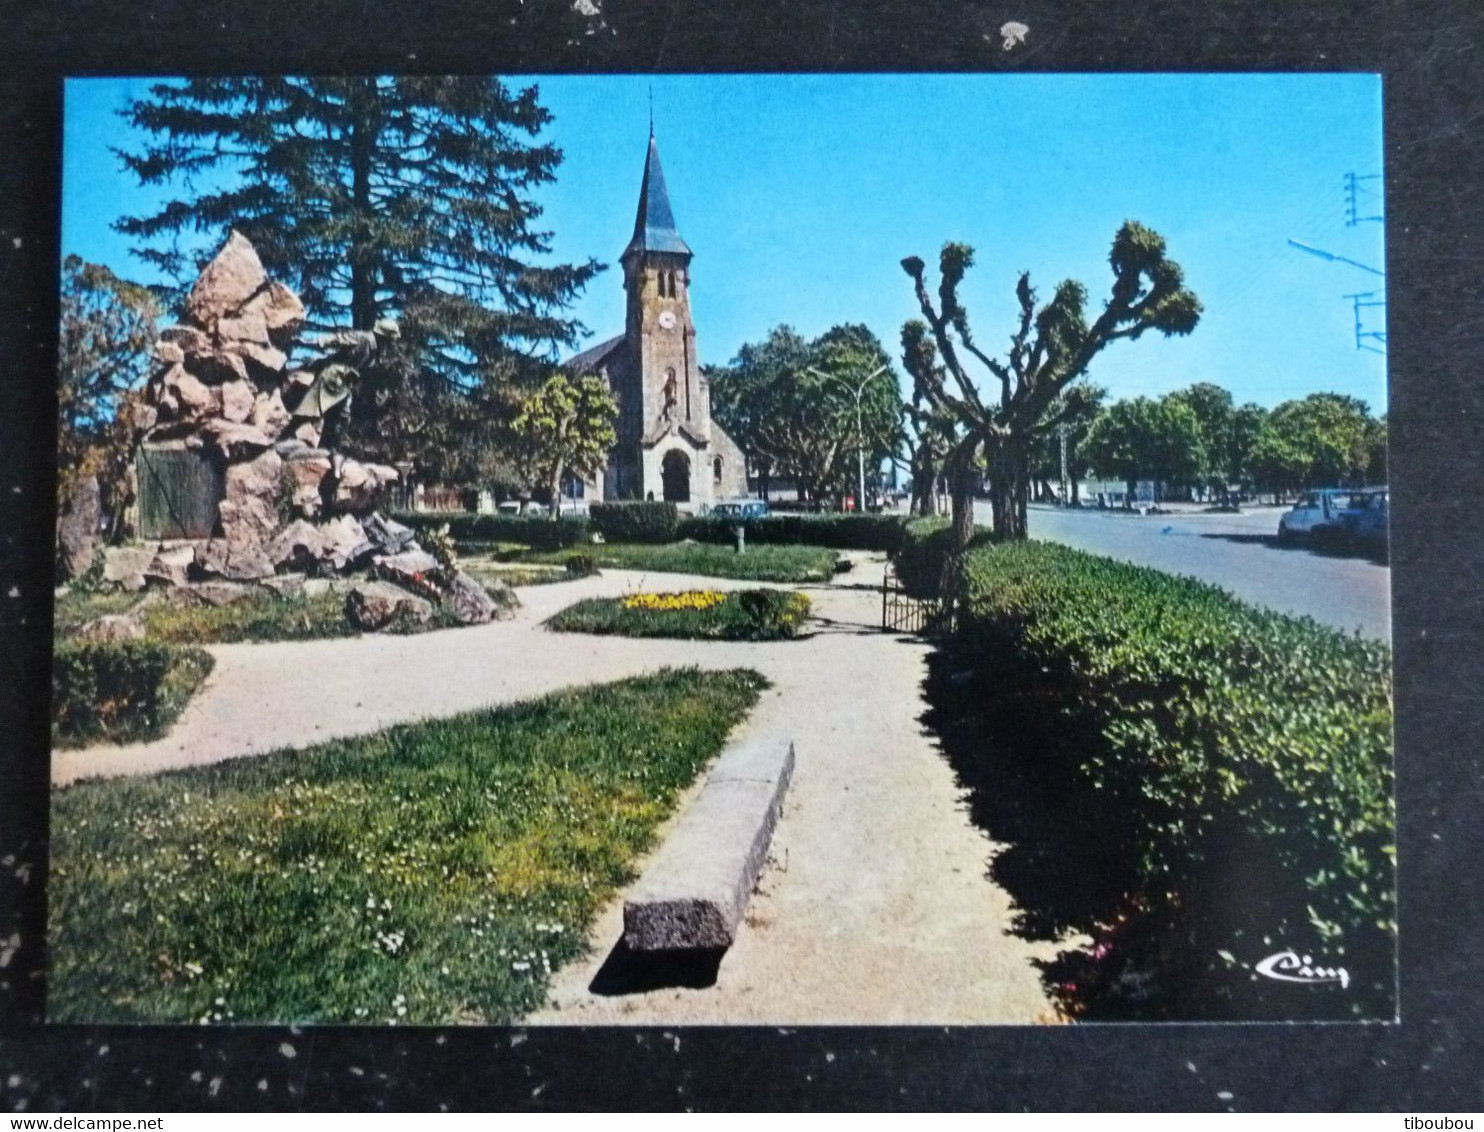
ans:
(860, 435)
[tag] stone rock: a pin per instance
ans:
(143, 415)
(110, 629)
(268, 414)
(389, 536)
(188, 339)
(242, 561)
(266, 360)
(80, 527)
(373, 605)
(694, 892)
(214, 594)
(253, 489)
(304, 472)
(169, 353)
(299, 546)
(171, 567)
(358, 487)
(286, 585)
(281, 310)
(236, 440)
(216, 365)
(345, 542)
(238, 400)
(125, 565)
(468, 602)
(249, 326)
(409, 568)
(228, 281)
(188, 397)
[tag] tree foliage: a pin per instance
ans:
(1051, 347)
(107, 327)
(1322, 440)
(564, 427)
(802, 423)
(1143, 438)
(406, 196)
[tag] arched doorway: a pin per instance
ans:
(675, 474)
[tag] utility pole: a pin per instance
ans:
(860, 434)
(1061, 432)
(1352, 200)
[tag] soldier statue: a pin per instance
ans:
(329, 381)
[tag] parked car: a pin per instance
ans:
(1317, 514)
(742, 509)
(1366, 519)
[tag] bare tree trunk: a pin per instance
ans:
(1009, 489)
(961, 494)
(556, 490)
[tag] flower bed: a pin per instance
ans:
(741, 615)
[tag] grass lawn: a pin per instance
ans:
(515, 574)
(759, 563)
(741, 615)
(261, 616)
(432, 873)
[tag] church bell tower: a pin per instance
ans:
(661, 335)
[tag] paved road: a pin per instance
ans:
(1236, 552)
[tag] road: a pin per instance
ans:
(1239, 553)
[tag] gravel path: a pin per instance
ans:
(875, 907)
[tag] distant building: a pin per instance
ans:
(668, 445)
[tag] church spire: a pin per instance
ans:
(654, 226)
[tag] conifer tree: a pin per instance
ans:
(407, 197)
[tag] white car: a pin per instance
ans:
(1316, 514)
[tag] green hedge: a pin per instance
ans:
(926, 547)
(121, 692)
(840, 532)
(641, 521)
(536, 531)
(1222, 725)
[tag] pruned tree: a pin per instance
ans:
(1052, 346)
(564, 427)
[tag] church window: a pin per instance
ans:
(716, 470)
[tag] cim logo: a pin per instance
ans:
(1288, 967)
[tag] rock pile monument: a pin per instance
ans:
(238, 479)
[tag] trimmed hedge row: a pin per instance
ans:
(927, 544)
(121, 692)
(1223, 724)
(839, 532)
(647, 520)
(536, 531)
(652, 521)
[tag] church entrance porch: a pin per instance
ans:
(675, 477)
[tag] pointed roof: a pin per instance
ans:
(654, 226)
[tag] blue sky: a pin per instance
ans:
(800, 194)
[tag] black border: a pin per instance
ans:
(1428, 52)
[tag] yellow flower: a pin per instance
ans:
(664, 602)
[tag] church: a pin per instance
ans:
(668, 446)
